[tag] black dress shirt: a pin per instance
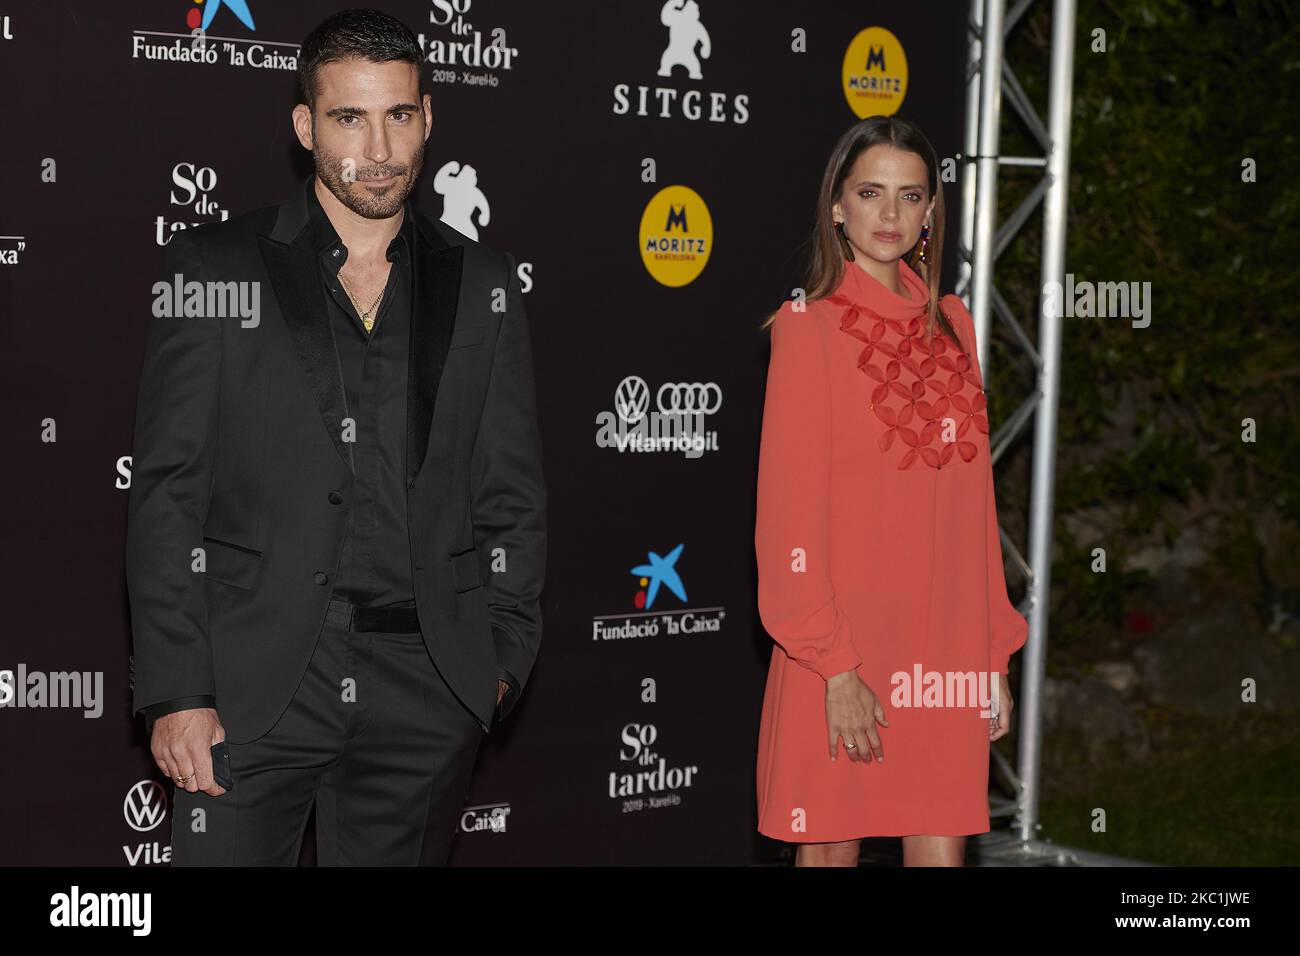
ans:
(375, 567)
(375, 564)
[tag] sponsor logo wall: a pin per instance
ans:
(653, 168)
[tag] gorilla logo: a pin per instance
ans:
(461, 197)
(682, 18)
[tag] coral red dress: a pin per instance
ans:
(877, 546)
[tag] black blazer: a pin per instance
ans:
(239, 451)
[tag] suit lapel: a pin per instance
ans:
(436, 273)
(291, 263)
(435, 297)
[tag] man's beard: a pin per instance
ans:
(368, 201)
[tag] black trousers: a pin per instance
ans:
(373, 737)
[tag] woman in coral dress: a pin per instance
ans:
(880, 572)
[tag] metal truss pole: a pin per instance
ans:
(983, 239)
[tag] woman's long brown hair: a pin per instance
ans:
(826, 262)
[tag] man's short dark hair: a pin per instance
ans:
(364, 34)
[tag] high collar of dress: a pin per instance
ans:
(861, 288)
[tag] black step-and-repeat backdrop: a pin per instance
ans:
(582, 137)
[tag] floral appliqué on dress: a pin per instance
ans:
(905, 406)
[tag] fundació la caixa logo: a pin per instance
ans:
(658, 571)
(202, 11)
(230, 45)
(655, 572)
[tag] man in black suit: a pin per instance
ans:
(336, 536)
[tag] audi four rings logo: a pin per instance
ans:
(632, 397)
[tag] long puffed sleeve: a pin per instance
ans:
(796, 602)
(1008, 628)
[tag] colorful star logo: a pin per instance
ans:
(659, 571)
(238, 7)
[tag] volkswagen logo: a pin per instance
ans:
(145, 806)
(631, 399)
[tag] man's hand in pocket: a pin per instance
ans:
(182, 747)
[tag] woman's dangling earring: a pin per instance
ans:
(844, 241)
(925, 241)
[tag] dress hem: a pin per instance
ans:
(960, 829)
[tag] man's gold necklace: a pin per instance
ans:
(366, 316)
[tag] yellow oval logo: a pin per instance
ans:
(875, 73)
(676, 235)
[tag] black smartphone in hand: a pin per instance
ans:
(221, 765)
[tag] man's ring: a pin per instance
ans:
(849, 746)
